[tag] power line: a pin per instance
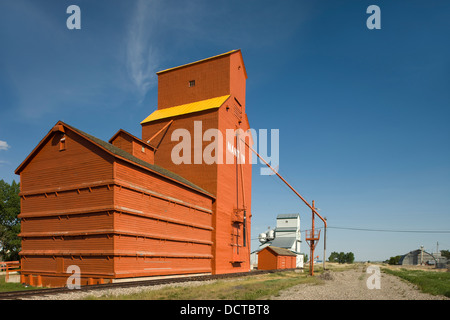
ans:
(390, 230)
(373, 230)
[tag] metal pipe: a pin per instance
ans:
(314, 211)
(324, 245)
(166, 126)
(279, 176)
(243, 189)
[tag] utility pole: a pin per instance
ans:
(421, 255)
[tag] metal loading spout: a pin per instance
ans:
(314, 211)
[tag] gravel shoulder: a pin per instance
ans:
(352, 285)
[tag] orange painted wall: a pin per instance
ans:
(205, 176)
(162, 221)
(64, 203)
(133, 146)
(222, 180)
(268, 260)
(212, 79)
(230, 196)
(238, 79)
(129, 222)
(52, 168)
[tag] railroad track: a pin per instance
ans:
(23, 294)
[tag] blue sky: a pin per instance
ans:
(363, 114)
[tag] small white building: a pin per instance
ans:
(286, 235)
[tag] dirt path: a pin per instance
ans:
(351, 285)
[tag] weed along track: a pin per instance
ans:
(49, 292)
(356, 284)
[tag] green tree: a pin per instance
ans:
(333, 257)
(349, 257)
(394, 260)
(342, 257)
(9, 222)
(445, 254)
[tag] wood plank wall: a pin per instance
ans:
(81, 206)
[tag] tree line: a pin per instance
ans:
(10, 243)
(341, 257)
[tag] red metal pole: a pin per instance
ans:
(311, 259)
(279, 176)
(153, 137)
(244, 228)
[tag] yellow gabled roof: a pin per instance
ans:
(187, 108)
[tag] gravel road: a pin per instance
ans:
(352, 285)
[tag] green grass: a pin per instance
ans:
(436, 283)
(248, 288)
(4, 286)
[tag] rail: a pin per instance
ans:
(23, 294)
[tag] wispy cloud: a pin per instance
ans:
(4, 145)
(142, 55)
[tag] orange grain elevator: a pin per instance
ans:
(176, 201)
(205, 101)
